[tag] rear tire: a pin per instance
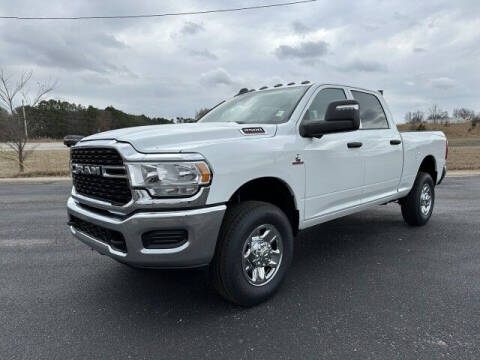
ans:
(253, 253)
(417, 206)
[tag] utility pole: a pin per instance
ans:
(24, 120)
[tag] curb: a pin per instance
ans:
(462, 173)
(35, 180)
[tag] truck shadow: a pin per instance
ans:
(328, 256)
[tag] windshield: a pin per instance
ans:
(262, 107)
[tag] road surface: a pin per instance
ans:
(365, 286)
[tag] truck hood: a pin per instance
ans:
(183, 137)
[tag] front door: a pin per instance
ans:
(334, 166)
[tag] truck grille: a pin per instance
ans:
(110, 237)
(115, 190)
(96, 156)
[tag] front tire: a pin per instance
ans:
(417, 206)
(254, 251)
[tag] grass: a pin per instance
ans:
(40, 163)
(464, 144)
(464, 154)
(453, 131)
(463, 158)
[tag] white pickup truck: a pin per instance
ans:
(233, 190)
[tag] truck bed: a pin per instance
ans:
(416, 146)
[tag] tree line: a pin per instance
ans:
(56, 119)
(25, 115)
(436, 115)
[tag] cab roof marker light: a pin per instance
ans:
(242, 91)
(305, 82)
(292, 83)
(278, 85)
(263, 88)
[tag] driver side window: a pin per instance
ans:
(319, 105)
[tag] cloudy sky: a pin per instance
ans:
(419, 52)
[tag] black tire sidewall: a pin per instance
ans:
(411, 204)
(426, 179)
(235, 282)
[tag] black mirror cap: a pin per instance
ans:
(341, 116)
(71, 140)
(319, 128)
(344, 110)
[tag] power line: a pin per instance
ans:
(156, 15)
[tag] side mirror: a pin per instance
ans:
(343, 115)
(71, 140)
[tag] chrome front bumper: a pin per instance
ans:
(202, 225)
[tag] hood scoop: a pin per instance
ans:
(253, 130)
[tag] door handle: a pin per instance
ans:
(395, 142)
(354, 145)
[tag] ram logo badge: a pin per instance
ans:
(87, 169)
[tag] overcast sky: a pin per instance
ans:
(419, 52)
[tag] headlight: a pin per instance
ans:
(170, 179)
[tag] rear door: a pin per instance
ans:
(334, 171)
(381, 147)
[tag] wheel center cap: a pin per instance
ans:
(261, 251)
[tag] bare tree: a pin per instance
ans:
(200, 113)
(464, 114)
(408, 117)
(418, 116)
(414, 118)
(14, 128)
(437, 115)
(475, 120)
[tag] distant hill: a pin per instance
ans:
(460, 134)
(464, 143)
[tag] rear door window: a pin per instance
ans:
(372, 115)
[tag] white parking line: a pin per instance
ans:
(25, 242)
(462, 173)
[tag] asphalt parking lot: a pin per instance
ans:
(363, 287)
